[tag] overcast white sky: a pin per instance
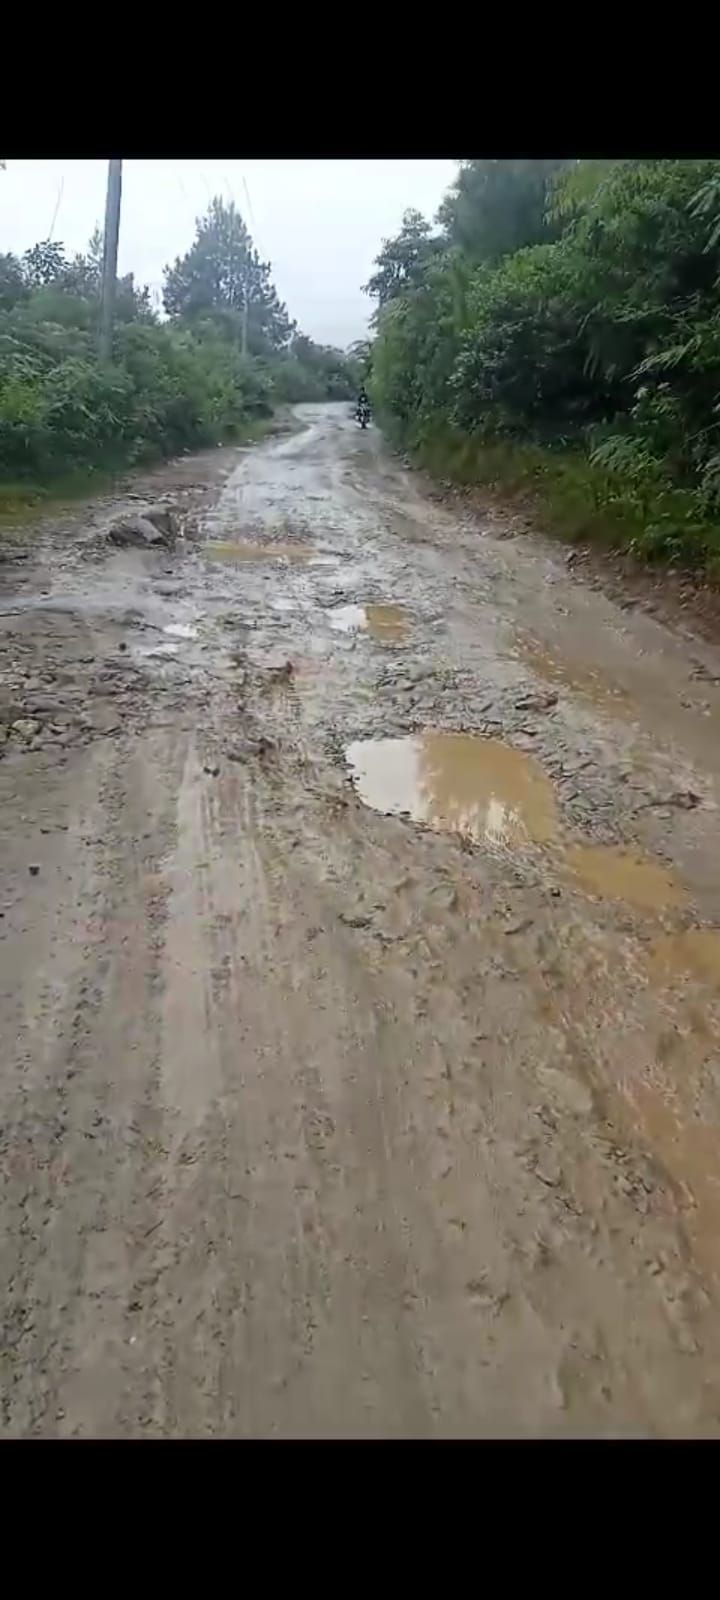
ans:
(320, 223)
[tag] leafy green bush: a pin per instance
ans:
(601, 342)
(173, 385)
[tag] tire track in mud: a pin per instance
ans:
(317, 1118)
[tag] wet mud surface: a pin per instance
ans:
(360, 997)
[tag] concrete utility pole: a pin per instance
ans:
(110, 255)
(245, 315)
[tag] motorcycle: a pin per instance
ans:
(363, 415)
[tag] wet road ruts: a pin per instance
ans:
(318, 1120)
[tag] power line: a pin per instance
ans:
(57, 208)
(256, 234)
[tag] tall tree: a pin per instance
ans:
(12, 282)
(44, 263)
(221, 275)
(495, 207)
(401, 261)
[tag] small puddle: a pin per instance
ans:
(347, 619)
(694, 953)
(164, 649)
(664, 1100)
(387, 624)
(181, 630)
(226, 550)
(459, 782)
(617, 874)
(583, 681)
(668, 1087)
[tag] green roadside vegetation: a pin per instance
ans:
(556, 336)
(215, 369)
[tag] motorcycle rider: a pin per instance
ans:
(363, 403)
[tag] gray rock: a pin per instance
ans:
(164, 519)
(139, 531)
(47, 703)
(26, 727)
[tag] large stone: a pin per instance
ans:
(26, 727)
(139, 531)
(164, 519)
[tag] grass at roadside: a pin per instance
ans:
(570, 497)
(22, 502)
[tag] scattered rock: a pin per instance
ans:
(212, 771)
(537, 702)
(164, 519)
(519, 927)
(249, 747)
(567, 1090)
(33, 869)
(26, 727)
(46, 703)
(548, 1170)
(354, 922)
(704, 675)
(684, 799)
(140, 531)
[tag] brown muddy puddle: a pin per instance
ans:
(617, 874)
(694, 953)
(231, 551)
(664, 1096)
(585, 682)
(388, 624)
(458, 782)
(496, 795)
(661, 1083)
(672, 1093)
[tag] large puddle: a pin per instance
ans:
(388, 624)
(496, 795)
(228, 550)
(455, 781)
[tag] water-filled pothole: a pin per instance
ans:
(228, 550)
(694, 953)
(586, 682)
(181, 630)
(616, 874)
(388, 624)
(455, 781)
(497, 795)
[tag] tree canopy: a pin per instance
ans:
(571, 305)
(495, 207)
(222, 276)
(401, 261)
(171, 385)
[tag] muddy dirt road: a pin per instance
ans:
(359, 1076)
